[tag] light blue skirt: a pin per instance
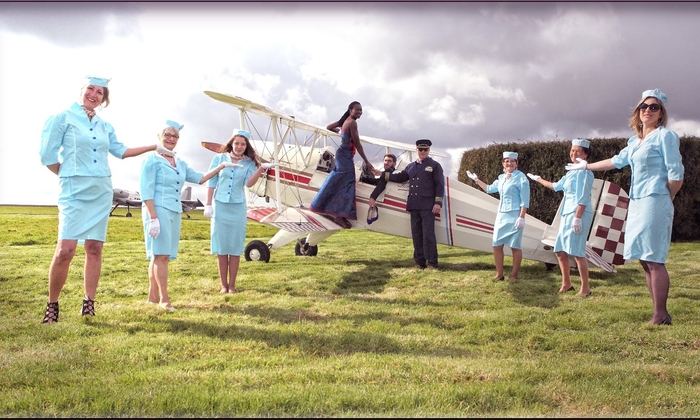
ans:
(228, 228)
(168, 241)
(83, 208)
(570, 242)
(648, 228)
(504, 231)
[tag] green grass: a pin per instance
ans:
(352, 332)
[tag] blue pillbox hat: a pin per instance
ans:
(174, 125)
(97, 81)
(241, 132)
(581, 142)
(656, 93)
(510, 155)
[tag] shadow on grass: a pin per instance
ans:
(325, 342)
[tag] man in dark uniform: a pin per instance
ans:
(425, 194)
(389, 166)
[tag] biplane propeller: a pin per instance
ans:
(305, 155)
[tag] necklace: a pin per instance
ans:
(90, 112)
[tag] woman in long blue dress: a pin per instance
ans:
(226, 204)
(653, 155)
(162, 180)
(75, 145)
(576, 217)
(514, 189)
(336, 197)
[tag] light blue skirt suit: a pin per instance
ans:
(653, 162)
(82, 146)
(514, 193)
(229, 223)
(163, 183)
(577, 187)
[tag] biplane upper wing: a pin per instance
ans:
(291, 121)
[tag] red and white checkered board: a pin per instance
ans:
(607, 236)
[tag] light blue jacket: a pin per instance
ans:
(577, 186)
(230, 183)
(514, 194)
(163, 183)
(79, 144)
(656, 160)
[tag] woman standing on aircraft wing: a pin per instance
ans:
(653, 155)
(514, 190)
(162, 178)
(228, 214)
(75, 145)
(336, 197)
(577, 216)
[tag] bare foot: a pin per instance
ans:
(232, 290)
(223, 290)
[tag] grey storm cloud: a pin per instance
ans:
(70, 24)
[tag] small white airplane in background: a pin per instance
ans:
(305, 154)
(133, 199)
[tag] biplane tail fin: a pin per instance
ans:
(606, 239)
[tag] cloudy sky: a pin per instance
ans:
(465, 75)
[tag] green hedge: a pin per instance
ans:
(548, 160)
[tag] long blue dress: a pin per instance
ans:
(336, 197)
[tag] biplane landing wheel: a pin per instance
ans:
(257, 251)
(128, 215)
(302, 248)
(550, 266)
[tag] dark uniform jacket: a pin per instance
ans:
(381, 183)
(426, 187)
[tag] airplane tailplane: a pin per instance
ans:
(186, 193)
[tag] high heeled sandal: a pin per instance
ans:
(51, 314)
(88, 308)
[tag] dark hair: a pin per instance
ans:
(588, 152)
(249, 151)
(347, 113)
(392, 156)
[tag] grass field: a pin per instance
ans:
(352, 332)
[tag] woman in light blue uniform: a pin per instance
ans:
(228, 212)
(576, 217)
(75, 145)
(514, 190)
(653, 155)
(162, 178)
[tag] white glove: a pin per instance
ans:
(231, 165)
(580, 166)
(577, 225)
(208, 211)
(520, 223)
(164, 151)
(268, 165)
(533, 177)
(154, 228)
(472, 176)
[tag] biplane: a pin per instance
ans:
(304, 155)
(133, 199)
